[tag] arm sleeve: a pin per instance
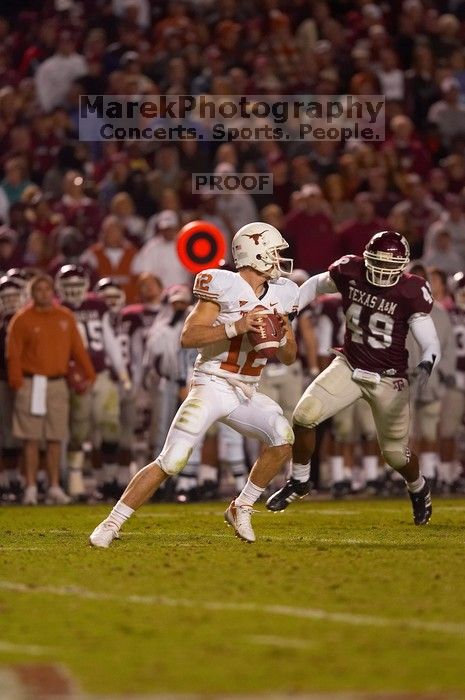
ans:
(79, 353)
(14, 347)
(313, 287)
(113, 348)
(424, 332)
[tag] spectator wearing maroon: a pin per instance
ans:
(45, 146)
(76, 208)
(10, 252)
(420, 210)
(282, 188)
(310, 232)
(404, 153)
(438, 185)
(382, 197)
(354, 235)
(341, 207)
(113, 256)
(41, 48)
(422, 91)
(455, 168)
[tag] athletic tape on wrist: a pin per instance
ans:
(230, 329)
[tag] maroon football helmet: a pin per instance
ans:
(111, 293)
(386, 256)
(459, 290)
(11, 295)
(71, 284)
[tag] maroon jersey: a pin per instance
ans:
(89, 316)
(377, 317)
(457, 317)
(133, 327)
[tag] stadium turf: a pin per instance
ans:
(333, 596)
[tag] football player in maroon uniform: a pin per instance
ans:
(94, 414)
(381, 303)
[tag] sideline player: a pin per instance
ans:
(226, 375)
(381, 303)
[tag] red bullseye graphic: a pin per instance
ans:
(200, 245)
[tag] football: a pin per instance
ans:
(265, 342)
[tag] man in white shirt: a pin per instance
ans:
(55, 75)
(159, 255)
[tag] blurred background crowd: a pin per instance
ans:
(114, 209)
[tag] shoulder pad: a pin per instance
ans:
(212, 284)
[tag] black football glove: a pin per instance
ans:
(422, 374)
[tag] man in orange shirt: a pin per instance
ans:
(112, 256)
(42, 338)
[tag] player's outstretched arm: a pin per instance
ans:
(313, 287)
(199, 329)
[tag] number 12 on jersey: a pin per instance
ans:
(249, 364)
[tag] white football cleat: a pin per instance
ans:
(56, 496)
(30, 496)
(104, 534)
(239, 519)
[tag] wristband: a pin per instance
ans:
(230, 329)
(283, 341)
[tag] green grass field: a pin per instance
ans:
(333, 596)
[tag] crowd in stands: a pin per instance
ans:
(115, 208)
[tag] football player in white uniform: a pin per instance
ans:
(226, 374)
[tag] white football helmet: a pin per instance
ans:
(257, 245)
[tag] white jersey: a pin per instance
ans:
(235, 358)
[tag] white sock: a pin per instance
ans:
(428, 462)
(119, 514)
(445, 472)
(300, 472)
(370, 467)
(417, 485)
(249, 494)
(337, 469)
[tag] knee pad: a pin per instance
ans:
(284, 435)
(396, 459)
(308, 412)
(174, 458)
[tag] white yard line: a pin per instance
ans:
(281, 642)
(30, 649)
(454, 628)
